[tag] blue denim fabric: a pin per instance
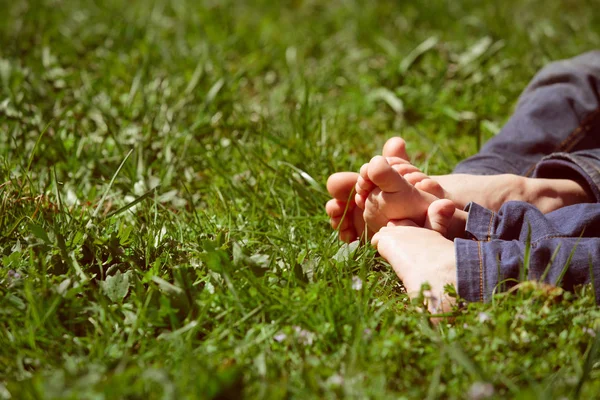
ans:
(557, 114)
(495, 247)
(553, 133)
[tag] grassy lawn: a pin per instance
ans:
(162, 182)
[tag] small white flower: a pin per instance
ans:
(139, 188)
(481, 390)
(335, 380)
(71, 198)
(14, 275)
(590, 332)
(356, 283)
(280, 337)
(304, 336)
(210, 288)
(483, 317)
(433, 303)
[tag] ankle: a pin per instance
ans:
(551, 194)
(492, 191)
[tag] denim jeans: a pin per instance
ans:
(553, 133)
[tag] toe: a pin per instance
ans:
(439, 216)
(398, 161)
(382, 175)
(373, 215)
(341, 184)
(375, 239)
(364, 171)
(395, 147)
(360, 200)
(430, 186)
(364, 186)
(402, 168)
(336, 208)
(415, 177)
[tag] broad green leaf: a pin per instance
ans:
(346, 252)
(39, 232)
(115, 287)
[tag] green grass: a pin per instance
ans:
(162, 170)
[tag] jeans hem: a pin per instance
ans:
(469, 269)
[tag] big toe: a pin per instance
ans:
(395, 147)
(341, 184)
(386, 178)
(336, 208)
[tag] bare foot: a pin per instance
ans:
(387, 195)
(407, 247)
(342, 210)
(492, 191)
(343, 213)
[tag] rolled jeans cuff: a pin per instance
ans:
(479, 224)
(575, 166)
(470, 264)
(469, 270)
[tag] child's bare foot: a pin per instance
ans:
(407, 247)
(342, 210)
(386, 195)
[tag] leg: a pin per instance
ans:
(553, 134)
(495, 249)
(558, 112)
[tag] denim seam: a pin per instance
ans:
(536, 242)
(480, 271)
(567, 144)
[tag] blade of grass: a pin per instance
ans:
(132, 203)
(592, 279)
(567, 263)
(112, 181)
(547, 270)
(524, 273)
